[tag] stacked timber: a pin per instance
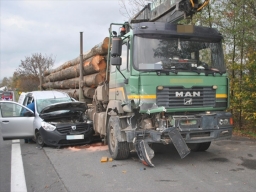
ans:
(66, 77)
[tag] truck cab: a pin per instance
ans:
(166, 76)
(167, 83)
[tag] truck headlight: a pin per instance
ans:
(47, 126)
(224, 121)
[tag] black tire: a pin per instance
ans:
(197, 147)
(118, 150)
(39, 139)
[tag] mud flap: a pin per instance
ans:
(178, 142)
(145, 153)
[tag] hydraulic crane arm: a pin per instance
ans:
(170, 11)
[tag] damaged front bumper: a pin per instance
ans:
(145, 153)
(198, 128)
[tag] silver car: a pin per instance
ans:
(56, 120)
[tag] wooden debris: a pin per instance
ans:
(104, 159)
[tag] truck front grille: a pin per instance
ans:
(178, 96)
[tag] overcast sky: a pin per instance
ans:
(52, 27)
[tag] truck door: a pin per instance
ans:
(123, 77)
(16, 121)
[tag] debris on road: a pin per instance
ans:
(104, 159)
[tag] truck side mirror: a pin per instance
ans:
(116, 51)
(116, 61)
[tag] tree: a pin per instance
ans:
(236, 21)
(28, 83)
(35, 66)
(25, 83)
(131, 7)
(6, 82)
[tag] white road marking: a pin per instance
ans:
(18, 181)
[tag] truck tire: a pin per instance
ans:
(197, 147)
(118, 150)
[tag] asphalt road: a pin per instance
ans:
(228, 165)
(5, 164)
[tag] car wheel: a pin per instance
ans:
(197, 147)
(118, 150)
(39, 139)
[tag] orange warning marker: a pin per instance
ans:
(104, 159)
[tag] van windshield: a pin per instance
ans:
(42, 103)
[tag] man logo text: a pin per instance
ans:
(187, 94)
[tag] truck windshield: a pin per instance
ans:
(184, 54)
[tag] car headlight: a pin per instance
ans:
(47, 126)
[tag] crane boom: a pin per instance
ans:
(170, 11)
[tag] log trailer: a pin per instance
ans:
(165, 83)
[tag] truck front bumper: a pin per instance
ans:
(199, 136)
(197, 128)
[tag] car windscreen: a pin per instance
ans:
(42, 103)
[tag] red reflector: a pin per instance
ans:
(144, 163)
(231, 121)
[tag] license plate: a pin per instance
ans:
(73, 137)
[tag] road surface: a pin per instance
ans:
(228, 165)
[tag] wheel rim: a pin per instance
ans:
(39, 139)
(111, 138)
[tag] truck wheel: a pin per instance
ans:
(118, 150)
(196, 147)
(39, 139)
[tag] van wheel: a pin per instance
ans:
(39, 139)
(197, 147)
(118, 150)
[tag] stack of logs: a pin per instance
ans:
(65, 78)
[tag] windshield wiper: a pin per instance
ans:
(177, 70)
(167, 72)
(179, 66)
(212, 71)
(209, 70)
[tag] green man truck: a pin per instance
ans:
(166, 83)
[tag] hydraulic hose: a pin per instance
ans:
(206, 2)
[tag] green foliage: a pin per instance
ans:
(236, 20)
(238, 29)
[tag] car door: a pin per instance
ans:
(16, 121)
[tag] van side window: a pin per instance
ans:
(13, 110)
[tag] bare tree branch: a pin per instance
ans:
(129, 8)
(36, 65)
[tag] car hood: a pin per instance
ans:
(62, 108)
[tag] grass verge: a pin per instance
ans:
(246, 133)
